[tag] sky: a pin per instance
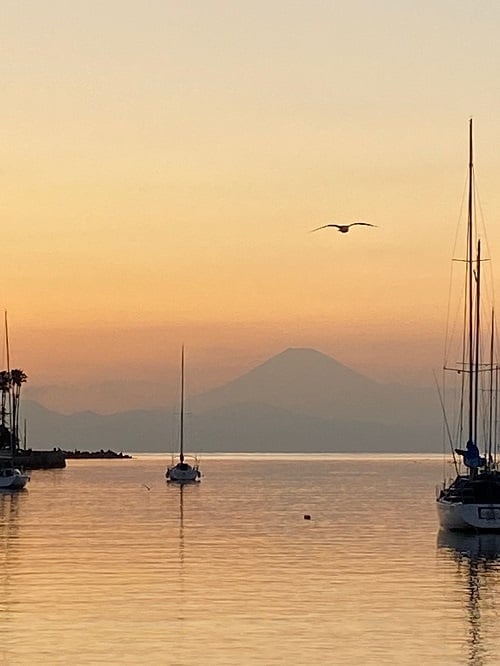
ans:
(163, 163)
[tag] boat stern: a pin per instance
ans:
(468, 517)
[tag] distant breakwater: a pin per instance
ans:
(56, 458)
(31, 459)
(109, 454)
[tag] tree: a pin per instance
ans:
(17, 379)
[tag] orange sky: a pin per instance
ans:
(162, 166)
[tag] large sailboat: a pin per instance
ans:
(471, 501)
(182, 471)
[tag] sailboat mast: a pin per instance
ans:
(7, 353)
(476, 337)
(495, 421)
(182, 408)
(470, 290)
(490, 404)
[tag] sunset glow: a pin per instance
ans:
(163, 165)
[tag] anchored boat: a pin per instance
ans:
(471, 501)
(182, 471)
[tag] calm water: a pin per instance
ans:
(97, 569)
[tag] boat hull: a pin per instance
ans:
(468, 517)
(181, 476)
(15, 481)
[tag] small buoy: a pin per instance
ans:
(307, 516)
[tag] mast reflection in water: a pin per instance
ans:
(478, 569)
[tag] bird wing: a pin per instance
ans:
(325, 226)
(365, 224)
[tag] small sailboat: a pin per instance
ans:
(12, 478)
(182, 471)
(471, 501)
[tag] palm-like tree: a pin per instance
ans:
(17, 379)
(4, 395)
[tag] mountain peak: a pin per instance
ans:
(300, 352)
(308, 362)
(300, 378)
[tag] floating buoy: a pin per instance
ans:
(307, 516)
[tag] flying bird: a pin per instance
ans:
(344, 228)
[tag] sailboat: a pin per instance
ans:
(11, 478)
(182, 471)
(471, 501)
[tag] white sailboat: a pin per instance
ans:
(182, 472)
(471, 501)
(12, 478)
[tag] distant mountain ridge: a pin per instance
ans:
(298, 378)
(310, 382)
(298, 400)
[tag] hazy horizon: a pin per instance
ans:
(298, 400)
(107, 395)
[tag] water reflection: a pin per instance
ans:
(9, 560)
(101, 571)
(181, 530)
(9, 528)
(179, 587)
(478, 561)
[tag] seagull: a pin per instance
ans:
(344, 228)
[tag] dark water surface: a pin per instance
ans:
(97, 569)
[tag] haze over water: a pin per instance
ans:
(95, 568)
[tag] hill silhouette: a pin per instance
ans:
(310, 382)
(298, 400)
